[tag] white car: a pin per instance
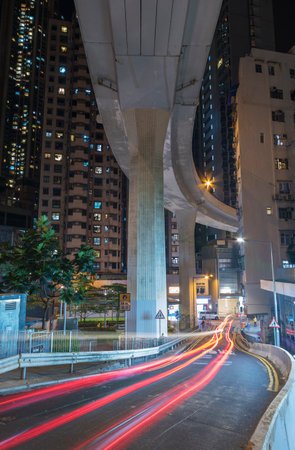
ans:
(208, 315)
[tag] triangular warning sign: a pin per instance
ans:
(159, 315)
(274, 323)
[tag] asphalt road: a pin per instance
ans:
(210, 399)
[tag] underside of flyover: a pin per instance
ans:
(146, 59)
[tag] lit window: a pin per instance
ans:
(59, 135)
(64, 29)
(106, 228)
(48, 133)
(99, 148)
(72, 137)
(85, 163)
(61, 91)
(281, 163)
(97, 205)
(175, 260)
(86, 138)
(55, 216)
(98, 170)
(58, 156)
(97, 254)
(174, 237)
(269, 211)
(63, 49)
(280, 139)
(47, 155)
(62, 69)
(97, 216)
(96, 229)
(96, 241)
(106, 240)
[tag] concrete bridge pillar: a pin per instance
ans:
(146, 282)
(186, 220)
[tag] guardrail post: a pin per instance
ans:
(51, 342)
(70, 342)
(90, 346)
(23, 373)
(30, 343)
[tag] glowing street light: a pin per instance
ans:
(276, 330)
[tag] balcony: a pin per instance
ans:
(283, 197)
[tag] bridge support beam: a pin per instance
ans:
(186, 220)
(146, 282)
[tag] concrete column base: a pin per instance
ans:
(186, 220)
(146, 282)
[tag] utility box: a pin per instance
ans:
(13, 312)
(12, 320)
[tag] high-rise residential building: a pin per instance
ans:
(81, 182)
(242, 24)
(265, 136)
(23, 34)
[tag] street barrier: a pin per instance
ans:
(275, 429)
(8, 364)
(25, 360)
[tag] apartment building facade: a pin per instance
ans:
(265, 139)
(81, 182)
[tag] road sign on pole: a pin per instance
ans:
(274, 323)
(159, 315)
(125, 302)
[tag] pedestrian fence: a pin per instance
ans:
(18, 342)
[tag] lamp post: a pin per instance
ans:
(276, 330)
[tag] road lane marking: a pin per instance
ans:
(272, 373)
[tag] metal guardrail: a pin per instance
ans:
(25, 360)
(8, 364)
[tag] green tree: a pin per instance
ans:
(36, 266)
(108, 297)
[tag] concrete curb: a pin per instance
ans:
(275, 429)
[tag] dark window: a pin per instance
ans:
(46, 167)
(276, 93)
(278, 116)
(292, 95)
(57, 168)
(60, 112)
(55, 204)
(44, 202)
(45, 191)
(56, 191)
(271, 70)
(285, 213)
(98, 181)
(258, 68)
(292, 73)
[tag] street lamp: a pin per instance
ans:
(276, 330)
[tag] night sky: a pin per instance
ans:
(284, 13)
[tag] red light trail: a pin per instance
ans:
(131, 427)
(80, 412)
(27, 398)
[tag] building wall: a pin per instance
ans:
(23, 34)
(81, 182)
(172, 243)
(265, 162)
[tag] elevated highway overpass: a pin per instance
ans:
(146, 59)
